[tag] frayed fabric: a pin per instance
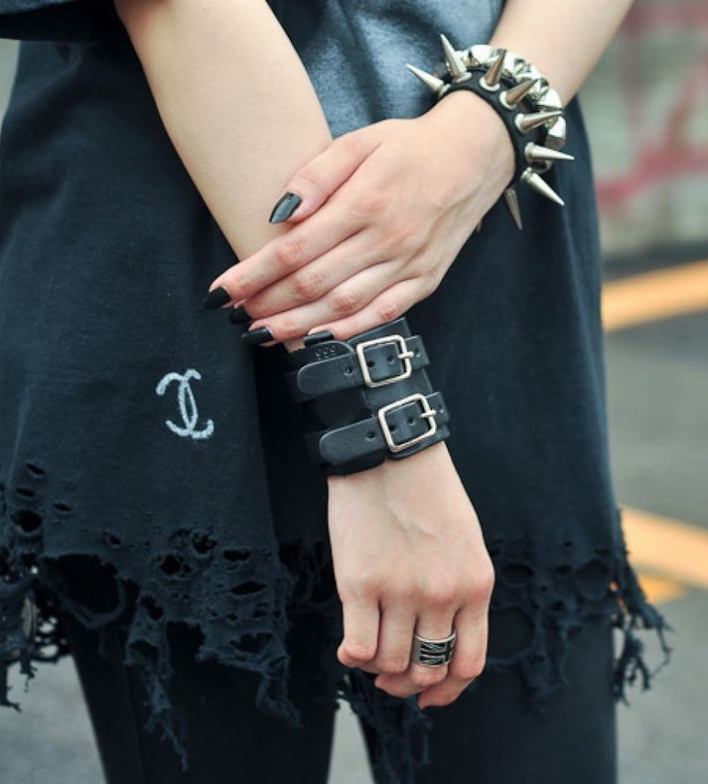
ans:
(242, 602)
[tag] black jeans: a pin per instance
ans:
(485, 736)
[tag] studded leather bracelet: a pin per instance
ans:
(367, 398)
(523, 98)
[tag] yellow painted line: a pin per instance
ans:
(660, 589)
(655, 295)
(671, 547)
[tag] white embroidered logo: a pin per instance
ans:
(187, 405)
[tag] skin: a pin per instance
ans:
(386, 209)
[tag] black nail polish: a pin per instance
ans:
(217, 297)
(258, 335)
(318, 337)
(238, 315)
(285, 207)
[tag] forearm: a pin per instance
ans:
(563, 40)
(236, 102)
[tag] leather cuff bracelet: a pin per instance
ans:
(521, 96)
(366, 398)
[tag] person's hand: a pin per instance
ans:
(408, 556)
(385, 210)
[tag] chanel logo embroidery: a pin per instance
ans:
(187, 405)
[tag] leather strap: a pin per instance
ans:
(345, 371)
(367, 436)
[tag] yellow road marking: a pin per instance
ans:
(660, 589)
(655, 295)
(673, 548)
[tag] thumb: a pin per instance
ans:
(317, 180)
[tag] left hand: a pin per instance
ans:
(385, 210)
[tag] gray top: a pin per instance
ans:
(355, 51)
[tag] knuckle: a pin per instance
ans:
(366, 585)
(428, 676)
(470, 669)
(344, 303)
(388, 309)
(358, 651)
(441, 594)
(350, 142)
(287, 327)
(308, 284)
(289, 252)
(397, 237)
(311, 179)
(368, 205)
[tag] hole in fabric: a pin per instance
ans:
(27, 520)
(251, 643)
(603, 550)
(563, 569)
(112, 540)
(236, 555)
(259, 614)
(175, 566)
(89, 582)
(557, 606)
(568, 543)
(516, 572)
(538, 658)
(35, 470)
(25, 492)
(61, 507)
(153, 609)
(247, 587)
(203, 542)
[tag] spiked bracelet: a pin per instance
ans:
(529, 107)
(367, 398)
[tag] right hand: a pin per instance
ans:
(409, 555)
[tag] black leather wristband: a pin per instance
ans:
(367, 398)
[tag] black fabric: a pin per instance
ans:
(489, 735)
(60, 20)
(138, 430)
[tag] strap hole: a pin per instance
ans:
(417, 352)
(411, 421)
(348, 371)
(370, 363)
(393, 428)
(390, 359)
(370, 434)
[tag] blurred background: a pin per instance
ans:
(646, 107)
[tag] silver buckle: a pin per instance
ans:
(403, 354)
(428, 413)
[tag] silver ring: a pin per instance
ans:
(432, 653)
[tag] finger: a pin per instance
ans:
(434, 623)
(468, 657)
(314, 280)
(388, 305)
(395, 637)
(348, 297)
(361, 628)
(318, 179)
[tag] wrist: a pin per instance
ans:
(474, 131)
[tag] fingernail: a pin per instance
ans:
(238, 315)
(217, 297)
(317, 337)
(285, 207)
(258, 335)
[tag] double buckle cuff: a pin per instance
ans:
(427, 413)
(404, 354)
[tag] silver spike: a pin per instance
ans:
(512, 202)
(525, 122)
(555, 136)
(513, 96)
(536, 152)
(493, 75)
(534, 180)
(431, 82)
(455, 63)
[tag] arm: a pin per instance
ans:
(231, 122)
